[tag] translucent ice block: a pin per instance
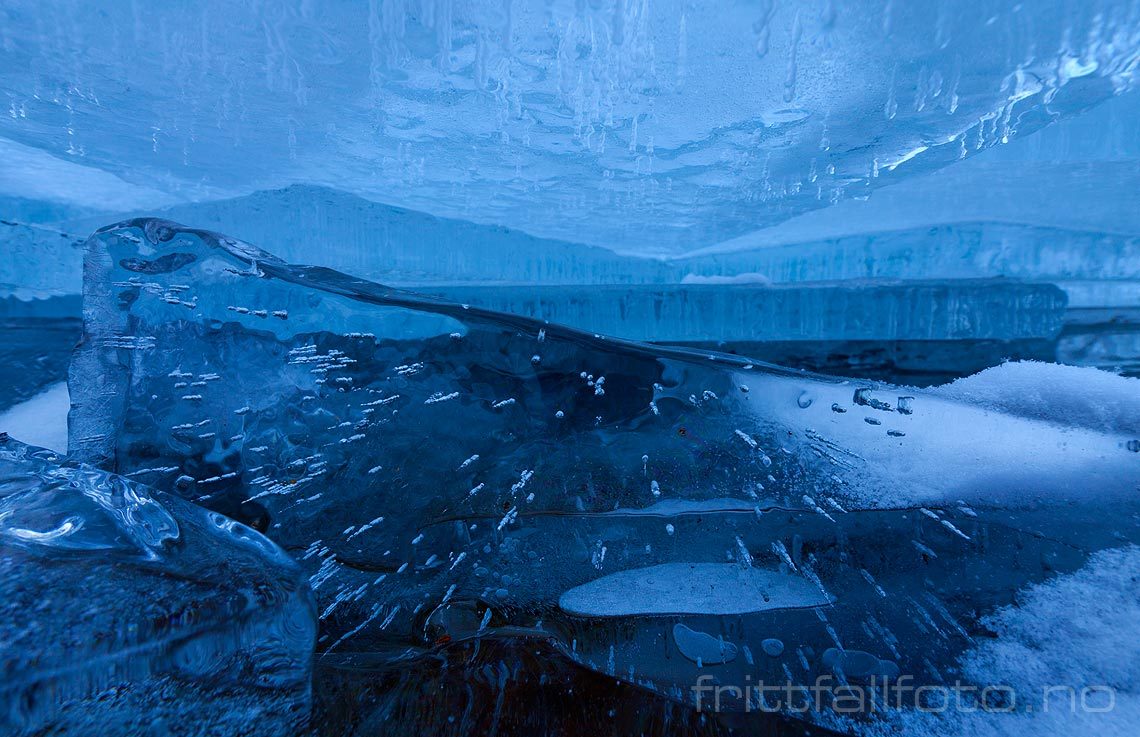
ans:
(443, 471)
(125, 610)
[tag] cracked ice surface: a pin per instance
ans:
(653, 127)
(442, 471)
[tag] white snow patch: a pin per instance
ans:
(1067, 395)
(1075, 633)
(41, 420)
(1012, 436)
(748, 278)
(34, 173)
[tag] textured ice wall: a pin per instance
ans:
(825, 311)
(662, 125)
(39, 263)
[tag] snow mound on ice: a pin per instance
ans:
(1069, 651)
(1069, 395)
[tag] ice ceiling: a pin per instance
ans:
(658, 127)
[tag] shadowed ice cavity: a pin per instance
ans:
(125, 609)
(444, 472)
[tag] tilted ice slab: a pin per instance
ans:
(123, 608)
(444, 471)
(647, 127)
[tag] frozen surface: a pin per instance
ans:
(691, 588)
(42, 186)
(822, 311)
(123, 608)
(1064, 395)
(871, 286)
(464, 452)
(1096, 268)
(1070, 650)
(1076, 175)
(327, 227)
(861, 283)
(41, 420)
(323, 226)
(39, 262)
(657, 126)
(444, 472)
(701, 647)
